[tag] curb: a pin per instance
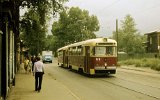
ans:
(142, 69)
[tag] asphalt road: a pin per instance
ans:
(124, 85)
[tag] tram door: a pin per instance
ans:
(87, 55)
(65, 59)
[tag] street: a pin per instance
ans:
(124, 85)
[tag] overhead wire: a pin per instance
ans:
(113, 3)
(137, 13)
(147, 9)
(109, 6)
(141, 13)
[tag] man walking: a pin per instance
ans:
(38, 71)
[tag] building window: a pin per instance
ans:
(150, 40)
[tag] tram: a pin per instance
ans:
(93, 56)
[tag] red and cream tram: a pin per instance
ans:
(94, 56)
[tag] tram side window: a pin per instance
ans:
(93, 51)
(72, 51)
(60, 53)
(69, 51)
(82, 51)
(66, 52)
(75, 51)
(79, 51)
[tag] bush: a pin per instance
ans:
(157, 67)
(146, 62)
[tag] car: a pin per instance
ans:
(47, 58)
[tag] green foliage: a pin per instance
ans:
(33, 33)
(49, 44)
(152, 63)
(43, 7)
(33, 23)
(74, 25)
(129, 40)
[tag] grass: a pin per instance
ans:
(153, 63)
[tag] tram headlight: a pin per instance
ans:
(105, 64)
(96, 59)
(99, 59)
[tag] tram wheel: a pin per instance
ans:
(80, 70)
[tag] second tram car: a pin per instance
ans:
(93, 56)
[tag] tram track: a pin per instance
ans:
(151, 75)
(134, 90)
(119, 79)
(139, 83)
(127, 84)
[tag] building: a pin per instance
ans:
(9, 44)
(153, 42)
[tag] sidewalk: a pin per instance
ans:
(51, 89)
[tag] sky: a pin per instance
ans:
(146, 13)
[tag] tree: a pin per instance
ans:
(129, 40)
(33, 32)
(33, 23)
(43, 7)
(74, 25)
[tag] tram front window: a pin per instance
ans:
(109, 50)
(100, 50)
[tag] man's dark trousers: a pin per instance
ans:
(38, 80)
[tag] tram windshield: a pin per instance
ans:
(107, 50)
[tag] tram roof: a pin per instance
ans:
(63, 48)
(93, 42)
(90, 42)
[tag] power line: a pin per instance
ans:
(108, 6)
(147, 9)
(136, 13)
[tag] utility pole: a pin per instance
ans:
(117, 36)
